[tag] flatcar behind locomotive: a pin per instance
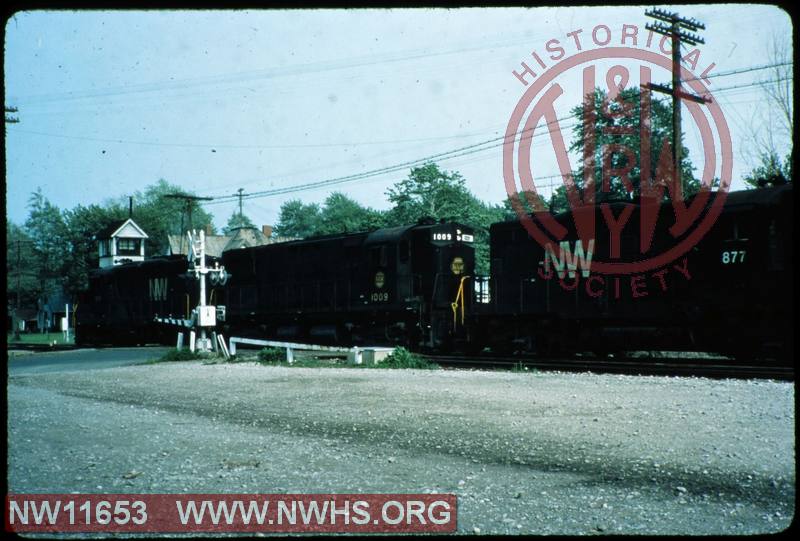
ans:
(405, 285)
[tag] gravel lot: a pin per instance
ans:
(540, 453)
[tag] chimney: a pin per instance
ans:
(267, 230)
(208, 230)
(130, 207)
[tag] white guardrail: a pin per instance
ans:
(355, 355)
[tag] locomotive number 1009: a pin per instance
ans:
(379, 297)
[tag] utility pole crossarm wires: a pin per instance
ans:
(188, 202)
(676, 27)
(11, 119)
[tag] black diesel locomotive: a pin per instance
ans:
(731, 293)
(390, 286)
(122, 302)
(405, 285)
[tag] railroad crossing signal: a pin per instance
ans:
(205, 316)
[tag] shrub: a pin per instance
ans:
(272, 355)
(174, 355)
(402, 358)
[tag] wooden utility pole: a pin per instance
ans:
(188, 202)
(15, 319)
(16, 308)
(675, 28)
(11, 119)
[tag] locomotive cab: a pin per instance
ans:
(418, 271)
(446, 256)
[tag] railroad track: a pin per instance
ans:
(713, 368)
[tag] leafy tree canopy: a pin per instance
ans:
(21, 267)
(82, 224)
(338, 214)
(616, 126)
(296, 219)
(160, 216)
(430, 191)
(45, 227)
(771, 171)
(238, 220)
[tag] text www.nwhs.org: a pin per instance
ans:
(229, 512)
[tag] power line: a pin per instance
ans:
(455, 153)
(266, 73)
(739, 71)
(680, 30)
(229, 146)
(759, 83)
(463, 151)
(341, 144)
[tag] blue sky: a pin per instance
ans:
(110, 102)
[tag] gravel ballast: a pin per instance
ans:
(541, 453)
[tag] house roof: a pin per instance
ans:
(215, 244)
(243, 237)
(114, 228)
(27, 313)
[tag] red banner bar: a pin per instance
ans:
(365, 513)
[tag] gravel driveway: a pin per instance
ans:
(540, 453)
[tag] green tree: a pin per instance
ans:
(340, 214)
(238, 220)
(161, 216)
(524, 198)
(771, 171)
(82, 225)
(622, 115)
(22, 283)
(46, 228)
(430, 191)
(296, 219)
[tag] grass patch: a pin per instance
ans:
(402, 358)
(272, 355)
(44, 339)
(178, 355)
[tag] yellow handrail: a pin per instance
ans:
(454, 305)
